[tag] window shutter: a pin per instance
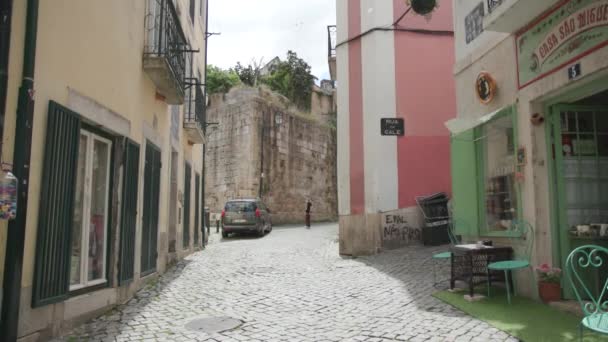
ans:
(465, 194)
(149, 234)
(197, 194)
(54, 239)
(128, 215)
(187, 180)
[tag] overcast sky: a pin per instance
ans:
(268, 28)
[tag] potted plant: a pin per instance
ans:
(549, 287)
(423, 7)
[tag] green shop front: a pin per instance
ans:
(543, 155)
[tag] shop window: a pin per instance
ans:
(584, 143)
(90, 216)
(496, 145)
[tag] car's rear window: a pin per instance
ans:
(240, 206)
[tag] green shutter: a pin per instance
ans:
(149, 234)
(54, 239)
(128, 220)
(465, 196)
(197, 193)
(187, 180)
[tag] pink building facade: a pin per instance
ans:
(391, 66)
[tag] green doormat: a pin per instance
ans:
(524, 319)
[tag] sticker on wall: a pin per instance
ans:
(521, 156)
(8, 196)
(485, 88)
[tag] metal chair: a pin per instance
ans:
(453, 241)
(518, 230)
(582, 260)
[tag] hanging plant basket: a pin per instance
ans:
(423, 7)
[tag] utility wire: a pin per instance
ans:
(395, 27)
(403, 15)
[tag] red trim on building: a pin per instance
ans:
(355, 89)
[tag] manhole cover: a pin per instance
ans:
(214, 324)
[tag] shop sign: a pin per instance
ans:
(392, 127)
(562, 36)
(485, 87)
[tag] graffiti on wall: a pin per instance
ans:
(397, 229)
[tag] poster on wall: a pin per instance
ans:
(564, 35)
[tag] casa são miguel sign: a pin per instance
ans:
(567, 33)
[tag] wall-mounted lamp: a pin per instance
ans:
(537, 119)
(278, 119)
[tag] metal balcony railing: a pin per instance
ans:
(195, 110)
(166, 38)
(332, 39)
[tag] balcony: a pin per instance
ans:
(331, 45)
(511, 15)
(195, 112)
(165, 50)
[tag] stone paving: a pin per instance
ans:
(292, 285)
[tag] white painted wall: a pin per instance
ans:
(343, 109)
(379, 101)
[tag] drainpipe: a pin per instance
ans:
(13, 265)
(6, 11)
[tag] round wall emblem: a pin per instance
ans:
(486, 88)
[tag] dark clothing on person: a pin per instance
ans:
(308, 206)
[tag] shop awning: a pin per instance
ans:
(459, 125)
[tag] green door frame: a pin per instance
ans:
(561, 243)
(567, 96)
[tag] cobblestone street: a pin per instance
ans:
(291, 285)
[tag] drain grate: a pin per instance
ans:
(214, 324)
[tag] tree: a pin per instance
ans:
(220, 81)
(248, 75)
(292, 79)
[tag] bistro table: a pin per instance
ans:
(469, 264)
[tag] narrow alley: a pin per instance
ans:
(291, 285)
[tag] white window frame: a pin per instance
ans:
(86, 212)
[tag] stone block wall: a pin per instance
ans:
(323, 106)
(263, 147)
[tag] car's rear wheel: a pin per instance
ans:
(261, 231)
(224, 234)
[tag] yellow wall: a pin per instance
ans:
(95, 48)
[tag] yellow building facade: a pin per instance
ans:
(116, 152)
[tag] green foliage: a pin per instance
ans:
(292, 79)
(220, 81)
(248, 75)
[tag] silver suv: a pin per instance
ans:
(246, 216)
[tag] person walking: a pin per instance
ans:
(308, 206)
